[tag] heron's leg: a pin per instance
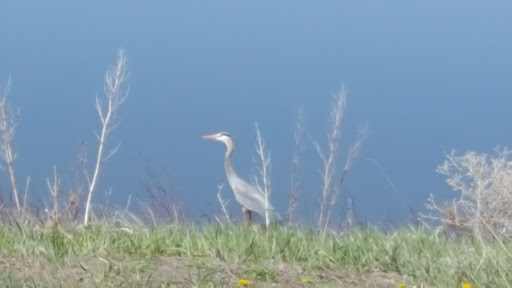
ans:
(248, 214)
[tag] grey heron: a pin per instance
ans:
(251, 198)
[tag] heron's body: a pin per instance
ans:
(250, 197)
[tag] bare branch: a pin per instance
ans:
(8, 123)
(53, 187)
(112, 152)
(25, 195)
(484, 185)
(264, 171)
(333, 137)
(100, 112)
(356, 146)
(115, 96)
(296, 167)
(223, 204)
(160, 195)
(353, 152)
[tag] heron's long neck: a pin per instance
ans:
(230, 173)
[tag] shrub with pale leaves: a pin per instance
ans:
(484, 185)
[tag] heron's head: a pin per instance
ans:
(222, 137)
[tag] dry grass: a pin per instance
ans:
(180, 272)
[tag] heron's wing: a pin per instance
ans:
(253, 199)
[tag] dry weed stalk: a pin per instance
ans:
(353, 151)
(160, 197)
(25, 196)
(55, 216)
(350, 217)
(75, 196)
(485, 186)
(330, 187)
(115, 96)
(223, 205)
(54, 192)
(264, 171)
(329, 160)
(8, 123)
(295, 185)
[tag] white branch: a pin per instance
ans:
(223, 204)
(264, 171)
(295, 189)
(115, 96)
(8, 123)
(333, 137)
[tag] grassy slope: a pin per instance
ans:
(103, 255)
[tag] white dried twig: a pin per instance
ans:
(115, 96)
(329, 160)
(484, 184)
(8, 123)
(295, 187)
(25, 195)
(353, 152)
(223, 204)
(53, 187)
(264, 172)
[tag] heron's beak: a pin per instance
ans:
(210, 137)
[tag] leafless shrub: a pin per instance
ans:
(25, 197)
(62, 207)
(53, 214)
(348, 217)
(484, 183)
(264, 172)
(353, 152)
(57, 210)
(158, 199)
(8, 123)
(223, 205)
(329, 159)
(115, 96)
(75, 191)
(331, 184)
(295, 184)
(105, 211)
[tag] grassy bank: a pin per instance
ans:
(104, 256)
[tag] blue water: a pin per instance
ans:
(426, 77)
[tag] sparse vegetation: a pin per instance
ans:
(125, 249)
(484, 183)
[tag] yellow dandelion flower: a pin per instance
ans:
(304, 280)
(401, 285)
(243, 283)
(466, 285)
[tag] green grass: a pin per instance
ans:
(106, 256)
